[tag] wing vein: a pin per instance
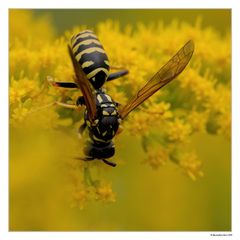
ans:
(166, 74)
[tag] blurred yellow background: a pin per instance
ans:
(144, 199)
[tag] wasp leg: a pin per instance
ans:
(67, 105)
(116, 75)
(85, 158)
(120, 129)
(80, 101)
(117, 104)
(61, 84)
(109, 163)
(81, 129)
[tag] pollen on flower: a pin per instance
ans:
(191, 165)
(141, 122)
(18, 115)
(105, 193)
(178, 130)
(80, 195)
(224, 124)
(158, 110)
(202, 87)
(22, 88)
(157, 157)
(197, 120)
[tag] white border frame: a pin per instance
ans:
(204, 4)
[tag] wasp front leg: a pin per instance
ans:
(81, 129)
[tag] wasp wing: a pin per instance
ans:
(83, 83)
(167, 73)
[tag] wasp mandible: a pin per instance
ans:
(103, 115)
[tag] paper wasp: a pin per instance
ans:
(103, 115)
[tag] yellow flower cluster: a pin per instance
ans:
(191, 165)
(178, 131)
(104, 193)
(152, 115)
(198, 101)
(157, 157)
(82, 194)
(197, 121)
(83, 187)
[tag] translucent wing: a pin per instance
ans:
(83, 83)
(167, 73)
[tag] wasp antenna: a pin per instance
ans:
(109, 163)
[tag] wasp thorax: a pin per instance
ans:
(106, 128)
(109, 126)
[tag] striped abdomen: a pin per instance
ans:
(91, 56)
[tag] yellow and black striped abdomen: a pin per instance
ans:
(91, 55)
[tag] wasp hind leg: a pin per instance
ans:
(116, 75)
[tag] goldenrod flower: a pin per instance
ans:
(191, 165)
(178, 130)
(198, 98)
(104, 193)
(79, 197)
(157, 157)
(197, 120)
(224, 123)
(19, 115)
